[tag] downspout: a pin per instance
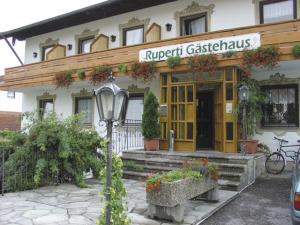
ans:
(13, 50)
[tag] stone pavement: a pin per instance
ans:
(68, 204)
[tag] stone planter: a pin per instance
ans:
(168, 201)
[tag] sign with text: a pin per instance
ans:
(218, 45)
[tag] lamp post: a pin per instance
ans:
(112, 104)
(244, 97)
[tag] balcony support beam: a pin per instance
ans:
(13, 50)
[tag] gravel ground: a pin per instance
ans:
(264, 203)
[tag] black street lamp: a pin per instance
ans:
(244, 97)
(112, 104)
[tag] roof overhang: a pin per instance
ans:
(95, 12)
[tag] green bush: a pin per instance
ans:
(173, 61)
(81, 74)
(53, 150)
(296, 51)
(150, 121)
(122, 68)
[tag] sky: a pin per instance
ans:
(18, 13)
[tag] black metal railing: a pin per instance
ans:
(16, 174)
(128, 136)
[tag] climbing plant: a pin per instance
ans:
(117, 191)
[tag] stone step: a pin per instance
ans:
(153, 163)
(231, 176)
(213, 157)
(229, 185)
(223, 184)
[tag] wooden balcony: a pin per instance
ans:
(283, 35)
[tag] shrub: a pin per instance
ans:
(173, 61)
(122, 68)
(54, 150)
(63, 79)
(81, 74)
(144, 71)
(150, 120)
(296, 51)
(203, 63)
(117, 192)
(195, 169)
(267, 57)
(100, 74)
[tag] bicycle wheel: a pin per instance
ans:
(275, 163)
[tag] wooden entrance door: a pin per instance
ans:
(219, 115)
(182, 119)
(205, 120)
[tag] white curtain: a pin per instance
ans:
(135, 109)
(48, 108)
(197, 26)
(279, 11)
(134, 36)
(86, 45)
(85, 105)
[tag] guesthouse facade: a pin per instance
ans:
(69, 56)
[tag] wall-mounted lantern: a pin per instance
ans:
(113, 38)
(69, 47)
(168, 27)
(34, 54)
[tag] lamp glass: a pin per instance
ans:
(119, 102)
(107, 100)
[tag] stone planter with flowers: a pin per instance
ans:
(168, 192)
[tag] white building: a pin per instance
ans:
(199, 110)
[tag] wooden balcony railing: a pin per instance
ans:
(283, 34)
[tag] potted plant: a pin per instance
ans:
(150, 123)
(249, 112)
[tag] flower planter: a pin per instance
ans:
(250, 145)
(168, 201)
(151, 144)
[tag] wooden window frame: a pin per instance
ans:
(41, 104)
(81, 40)
(76, 98)
(283, 86)
(193, 17)
(268, 2)
(130, 29)
(44, 50)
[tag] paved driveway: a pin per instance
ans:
(67, 204)
(264, 203)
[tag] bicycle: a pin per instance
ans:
(276, 162)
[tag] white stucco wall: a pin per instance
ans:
(10, 104)
(63, 103)
(226, 15)
(266, 135)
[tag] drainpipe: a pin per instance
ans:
(12, 48)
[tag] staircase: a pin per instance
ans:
(236, 171)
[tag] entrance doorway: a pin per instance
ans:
(205, 120)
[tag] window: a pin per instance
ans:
(277, 10)
(135, 107)
(281, 106)
(84, 105)
(195, 24)
(45, 51)
(84, 44)
(133, 35)
(46, 107)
